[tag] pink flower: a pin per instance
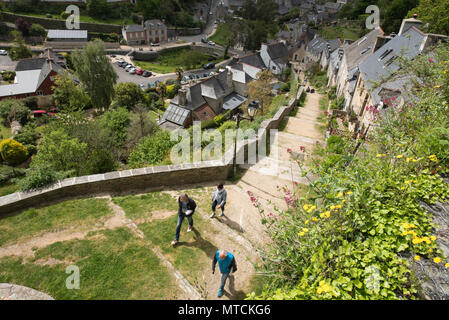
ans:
(252, 199)
(302, 148)
(295, 182)
(289, 150)
(250, 193)
(430, 60)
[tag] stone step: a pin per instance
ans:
(303, 128)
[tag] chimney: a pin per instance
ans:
(182, 97)
(229, 79)
(408, 23)
(380, 41)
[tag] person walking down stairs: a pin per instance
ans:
(226, 264)
(186, 208)
(219, 200)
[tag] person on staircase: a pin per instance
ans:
(226, 264)
(219, 200)
(186, 208)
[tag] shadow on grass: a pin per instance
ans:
(200, 243)
(233, 294)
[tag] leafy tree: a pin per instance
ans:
(13, 152)
(96, 73)
(117, 121)
(128, 94)
(162, 90)
(433, 12)
(97, 8)
(141, 125)
(179, 71)
(23, 26)
(260, 89)
(19, 50)
(62, 152)
(68, 95)
(37, 30)
(13, 110)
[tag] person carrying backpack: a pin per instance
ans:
(186, 208)
(219, 200)
(226, 264)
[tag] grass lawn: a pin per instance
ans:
(333, 32)
(113, 264)
(4, 131)
(171, 59)
(139, 207)
(222, 35)
(33, 222)
(193, 249)
(83, 18)
(8, 188)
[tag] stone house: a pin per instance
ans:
(375, 83)
(150, 31)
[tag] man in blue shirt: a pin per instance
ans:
(226, 263)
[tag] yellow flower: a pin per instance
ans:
(343, 201)
(306, 222)
(314, 219)
(447, 265)
(400, 156)
(426, 240)
(437, 86)
(332, 207)
(433, 238)
(339, 206)
(414, 181)
(378, 155)
(384, 155)
(324, 287)
(305, 230)
(306, 206)
(340, 195)
(404, 233)
(349, 193)
(402, 188)
(433, 158)
(325, 214)
(409, 159)
(437, 260)
(416, 240)
(417, 258)
(311, 209)
(301, 234)
(407, 182)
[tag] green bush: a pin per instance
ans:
(335, 144)
(13, 110)
(151, 150)
(8, 75)
(40, 176)
(31, 103)
(13, 152)
(208, 124)
(37, 30)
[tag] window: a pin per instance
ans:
(274, 68)
(40, 93)
(52, 78)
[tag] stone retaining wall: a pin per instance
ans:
(142, 179)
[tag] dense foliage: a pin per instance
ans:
(13, 152)
(360, 226)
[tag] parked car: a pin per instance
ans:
(142, 86)
(155, 44)
(209, 65)
(147, 74)
(112, 55)
(211, 43)
(132, 71)
(129, 67)
(185, 79)
(198, 76)
(205, 75)
(203, 40)
(139, 72)
(3, 53)
(151, 85)
(192, 76)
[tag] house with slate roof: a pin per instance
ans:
(150, 31)
(275, 56)
(354, 54)
(202, 100)
(34, 77)
(376, 83)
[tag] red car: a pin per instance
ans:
(139, 72)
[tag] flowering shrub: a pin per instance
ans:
(13, 152)
(356, 231)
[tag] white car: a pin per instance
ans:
(132, 71)
(129, 67)
(211, 43)
(3, 53)
(155, 44)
